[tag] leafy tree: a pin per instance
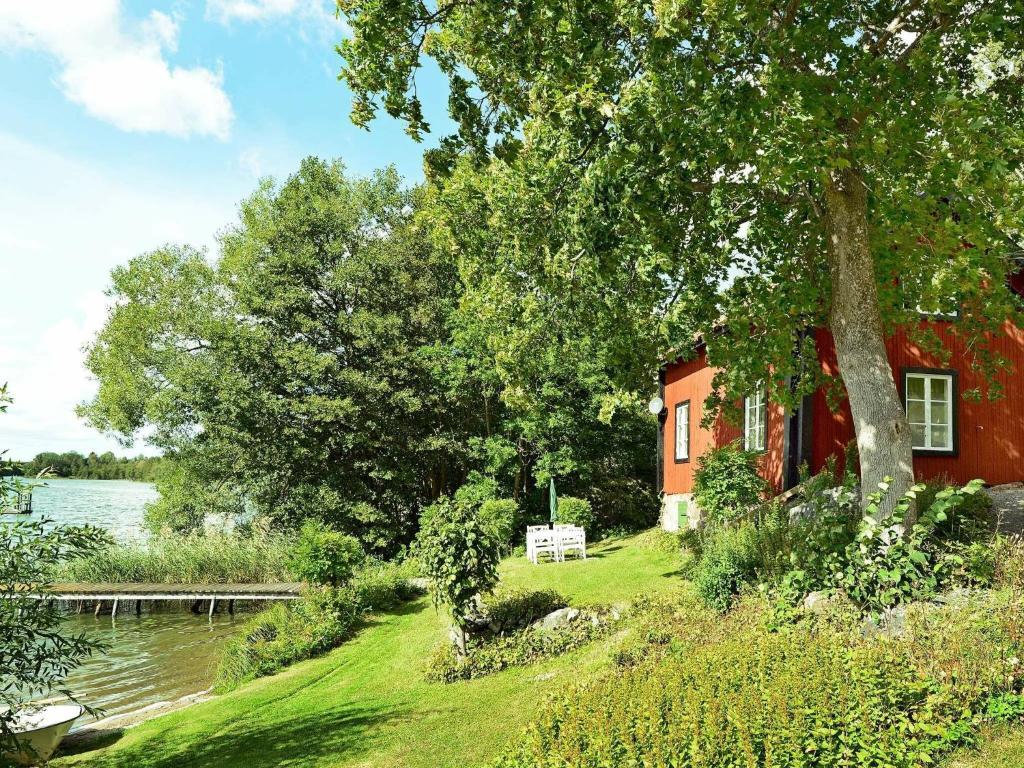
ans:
(459, 552)
(633, 173)
(35, 654)
(304, 372)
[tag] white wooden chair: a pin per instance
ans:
(543, 543)
(572, 540)
(531, 530)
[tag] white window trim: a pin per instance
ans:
(756, 405)
(928, 423)
(682, 408)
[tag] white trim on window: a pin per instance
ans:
(682, 449)
(755, 420)
(929, 401)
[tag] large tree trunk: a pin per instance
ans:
(883, 435)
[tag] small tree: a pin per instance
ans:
(324, 555)
(459, 553)
(35, 656)
(726, 485)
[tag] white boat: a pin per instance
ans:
(40, 731)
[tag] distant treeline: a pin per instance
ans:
(105, 466)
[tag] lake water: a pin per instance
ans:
(159, 656)
(116, 505)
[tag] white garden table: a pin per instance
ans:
(540, 539)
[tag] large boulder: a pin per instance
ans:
(559, 618)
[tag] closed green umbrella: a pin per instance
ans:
(554, 502)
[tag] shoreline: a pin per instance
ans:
(80, 739)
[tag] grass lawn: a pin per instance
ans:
(367, 704)
(1001, 747)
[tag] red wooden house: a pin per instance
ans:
(953, 437)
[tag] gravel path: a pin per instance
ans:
(1008, 506)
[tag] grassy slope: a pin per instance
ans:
(367, 704)
(1001, 747)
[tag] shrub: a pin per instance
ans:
(502, 516)
(726, 485)
(968, 519)
(527, 646)
(729, 561)
(325, 556)
(729, 693)
(514, 609)
(323, 618)
(459, 553)
(574, 511)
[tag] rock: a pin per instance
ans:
(816, 602)
(559, 618)
(544, 676)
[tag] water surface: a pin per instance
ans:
(158, 656)
(165, 653)
(115, 505)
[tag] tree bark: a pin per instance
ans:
(883, 434)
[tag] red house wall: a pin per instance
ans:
(691, 380)
(991, 432)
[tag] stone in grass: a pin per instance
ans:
(559, 618)
(818, 602)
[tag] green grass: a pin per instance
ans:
(186, 559)
(1001, 747)
(368, 704)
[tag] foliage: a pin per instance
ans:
(325, 556)
(728, 562)
(728, 690)
(322, 619)
(527, 646)
(459, 553)
(771, 134)
(105, 466)
(969, 519)
(726, 484)
(504, 518)
(210, 558)
(511, 609)
(36, 652)
(308, 370)
(574, 511)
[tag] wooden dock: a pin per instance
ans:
(115, 593)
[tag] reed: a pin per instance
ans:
(210, 558)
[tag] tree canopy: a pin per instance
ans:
(739, 170)
(328, 365)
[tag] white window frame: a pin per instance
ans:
(755, 420)
(929, 421)
(682, 417)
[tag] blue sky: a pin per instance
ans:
(127, 125)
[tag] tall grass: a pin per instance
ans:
(211, 558)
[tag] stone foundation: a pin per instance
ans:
(678, 510)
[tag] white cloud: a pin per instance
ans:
(310, 13)
(65, 224)
(116, 68)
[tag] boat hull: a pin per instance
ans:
(39, 733)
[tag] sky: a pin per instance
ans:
(128, 125)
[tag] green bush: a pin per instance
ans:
(969, 519)
(574, 511)
(726, 692)
(502, 516)
(325, 556)
(323, 618)
(527, 646)
(514, 609)
(729, 561)
(726, 485)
